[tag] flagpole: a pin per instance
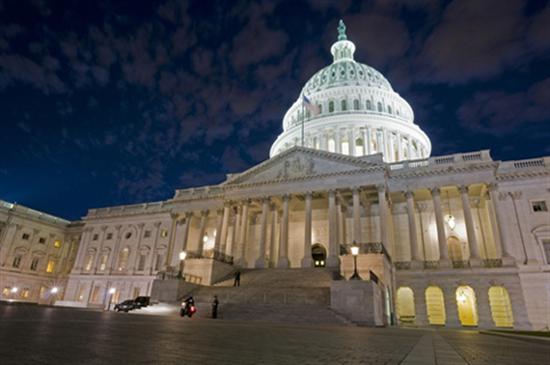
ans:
(303, 120)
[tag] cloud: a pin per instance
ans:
(497, 112)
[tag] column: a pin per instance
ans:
(333, 259)
(416, 258)
(219, 227)
(340, 220)
(383, 216)
(99, 250)
(188, 217)
(338, 141)
(441, 236)
(241, 261)
(409, 148)
(505, 239)
(283, 243)
(356, 236)
(384, 147)
(399, 147)
(260, 261)
(307, 260)
(351, 142)
(475, 259)
(368, 141)
(134, 254)
(235, 232)
(84, 239)
(420, 308)
(172, 238)
(114, 255)
(151, 267)
(273, 239)
(202, 228)
(225, 226)
(391, 149)
(485, 319)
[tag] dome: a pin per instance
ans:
(351, 108)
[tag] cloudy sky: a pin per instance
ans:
(116, 102)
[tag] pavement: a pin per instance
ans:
(50, 335)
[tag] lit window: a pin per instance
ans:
(17, 261)
(331, 145)
(34, 263)
(6, 291)
(89, 262)
(25, 293)
(42, 240)
(123, 259)
(25, 236)
(539, 206)
(103, 262)
(57, 243)
(164, 233)
(51, 266)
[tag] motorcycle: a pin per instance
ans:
(188, 308)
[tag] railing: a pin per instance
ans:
(508, 166)
(211, 254)
(442, 160)
(460, 264)
(366, 248)
(538, 162)
(403, 265)
(491, 263)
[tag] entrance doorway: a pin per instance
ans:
(467, 308)
(319, 255)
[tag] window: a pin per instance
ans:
(123, 259)
(95, 294)
(34, 263)
(389, 109)
(158, 262)
(81, 293)
(141, 262)
(359, 148)
(546, 248)
(128, 235)
(331, 145)
(345, 148)
(25, 293)
(57, 243)
(163, 233)
(344, 105)
(320, 109)
(17, 261)
(539, 206)
(380, 109)
(369, 106)
(330, 106)
(147, 234)
(103, 262)
(109, 236)
(356, 104)
(51, 266)
(6, 291)
(25, 236)
(95, 237)
(89, 261)
(42, 240)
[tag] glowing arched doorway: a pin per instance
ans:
(501, 307)
(467, 307)
(405, 305)
(319, 255)
(435, 306)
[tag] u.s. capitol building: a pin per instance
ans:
(456, 240)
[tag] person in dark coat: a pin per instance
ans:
(215, 304)
(237, 281)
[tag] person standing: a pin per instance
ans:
(237, 281)
(215, 304)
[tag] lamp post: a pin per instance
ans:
(111, 293)
(183, 255)
(354, 253)
(54, 292)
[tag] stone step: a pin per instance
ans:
(310, 277)
(302, 314)
(263, 295)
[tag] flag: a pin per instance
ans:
(307, 104)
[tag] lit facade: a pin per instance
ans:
(467, 238)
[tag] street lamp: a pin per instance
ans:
(183, 255)
(354, 253)
(111, 292)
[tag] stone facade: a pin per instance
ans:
(456, 240)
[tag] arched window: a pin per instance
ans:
(380, 107)
(330, 106)
(405, 305)
(103, 261)
(320, 109)
(501, 307)
(123, 259)
(356, 104)
(344, 105)
(331, 145)
(359, 147)
(345, 148)
(435, 306)
(89, 261)
(389, 109)
(467, 306)
(141, 262)
(455, 249)
(369, 105)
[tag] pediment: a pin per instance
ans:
(301, 162)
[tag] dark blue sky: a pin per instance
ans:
(112, 102)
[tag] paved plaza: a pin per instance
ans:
(44, 335)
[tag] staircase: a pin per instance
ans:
(276, 295)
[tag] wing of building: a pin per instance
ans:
(456, 240)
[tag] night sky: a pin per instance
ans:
(117, 102)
